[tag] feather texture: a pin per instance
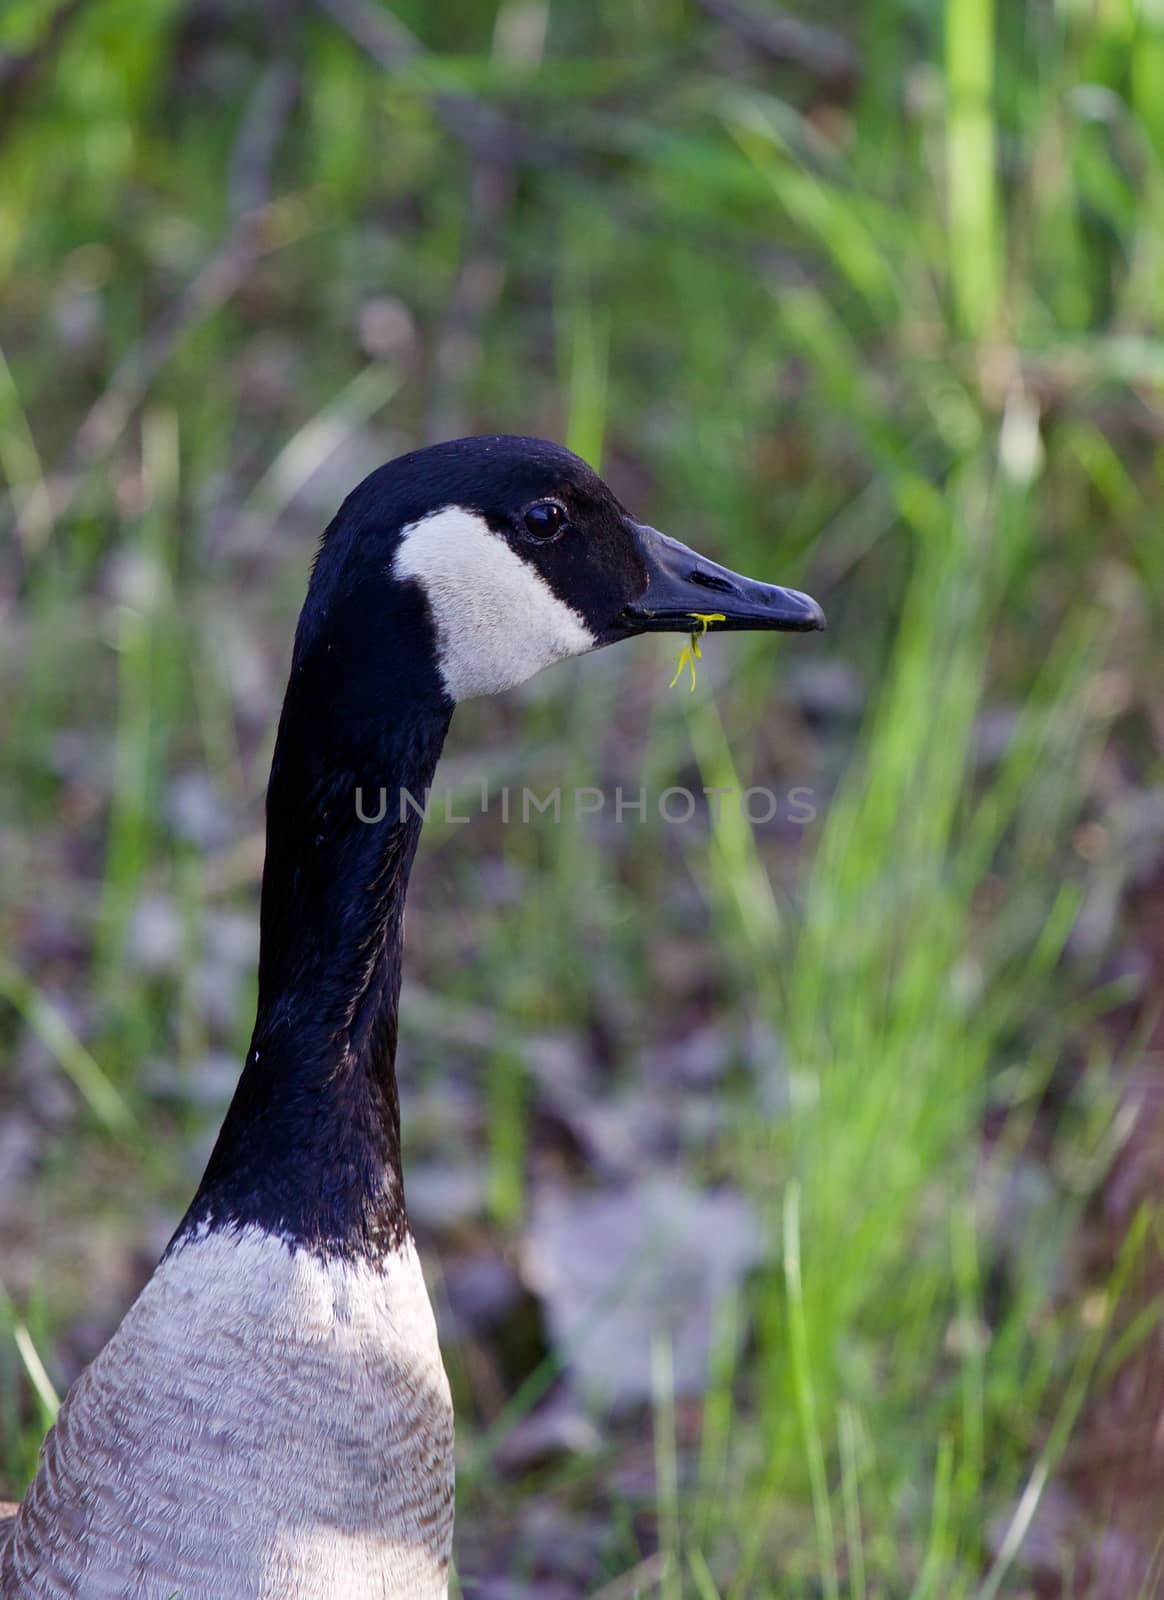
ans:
(262, 1426)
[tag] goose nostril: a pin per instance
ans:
(709, 580)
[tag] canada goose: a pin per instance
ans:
(272, 1420)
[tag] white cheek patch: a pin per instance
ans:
(497, 619)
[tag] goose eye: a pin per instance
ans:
(545, 519)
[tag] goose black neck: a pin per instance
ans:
(310, 1148)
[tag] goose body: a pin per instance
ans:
(321, 1464)
(272, 1420)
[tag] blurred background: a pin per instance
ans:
(788, 1180)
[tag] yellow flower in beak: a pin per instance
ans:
(691, 652)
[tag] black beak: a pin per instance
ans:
(684, 588)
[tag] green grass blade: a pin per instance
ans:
(851, 1500)
(104, 1100)
(975, 269)
(799, 1354)
(666, 1467)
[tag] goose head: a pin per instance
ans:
(510, 554)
